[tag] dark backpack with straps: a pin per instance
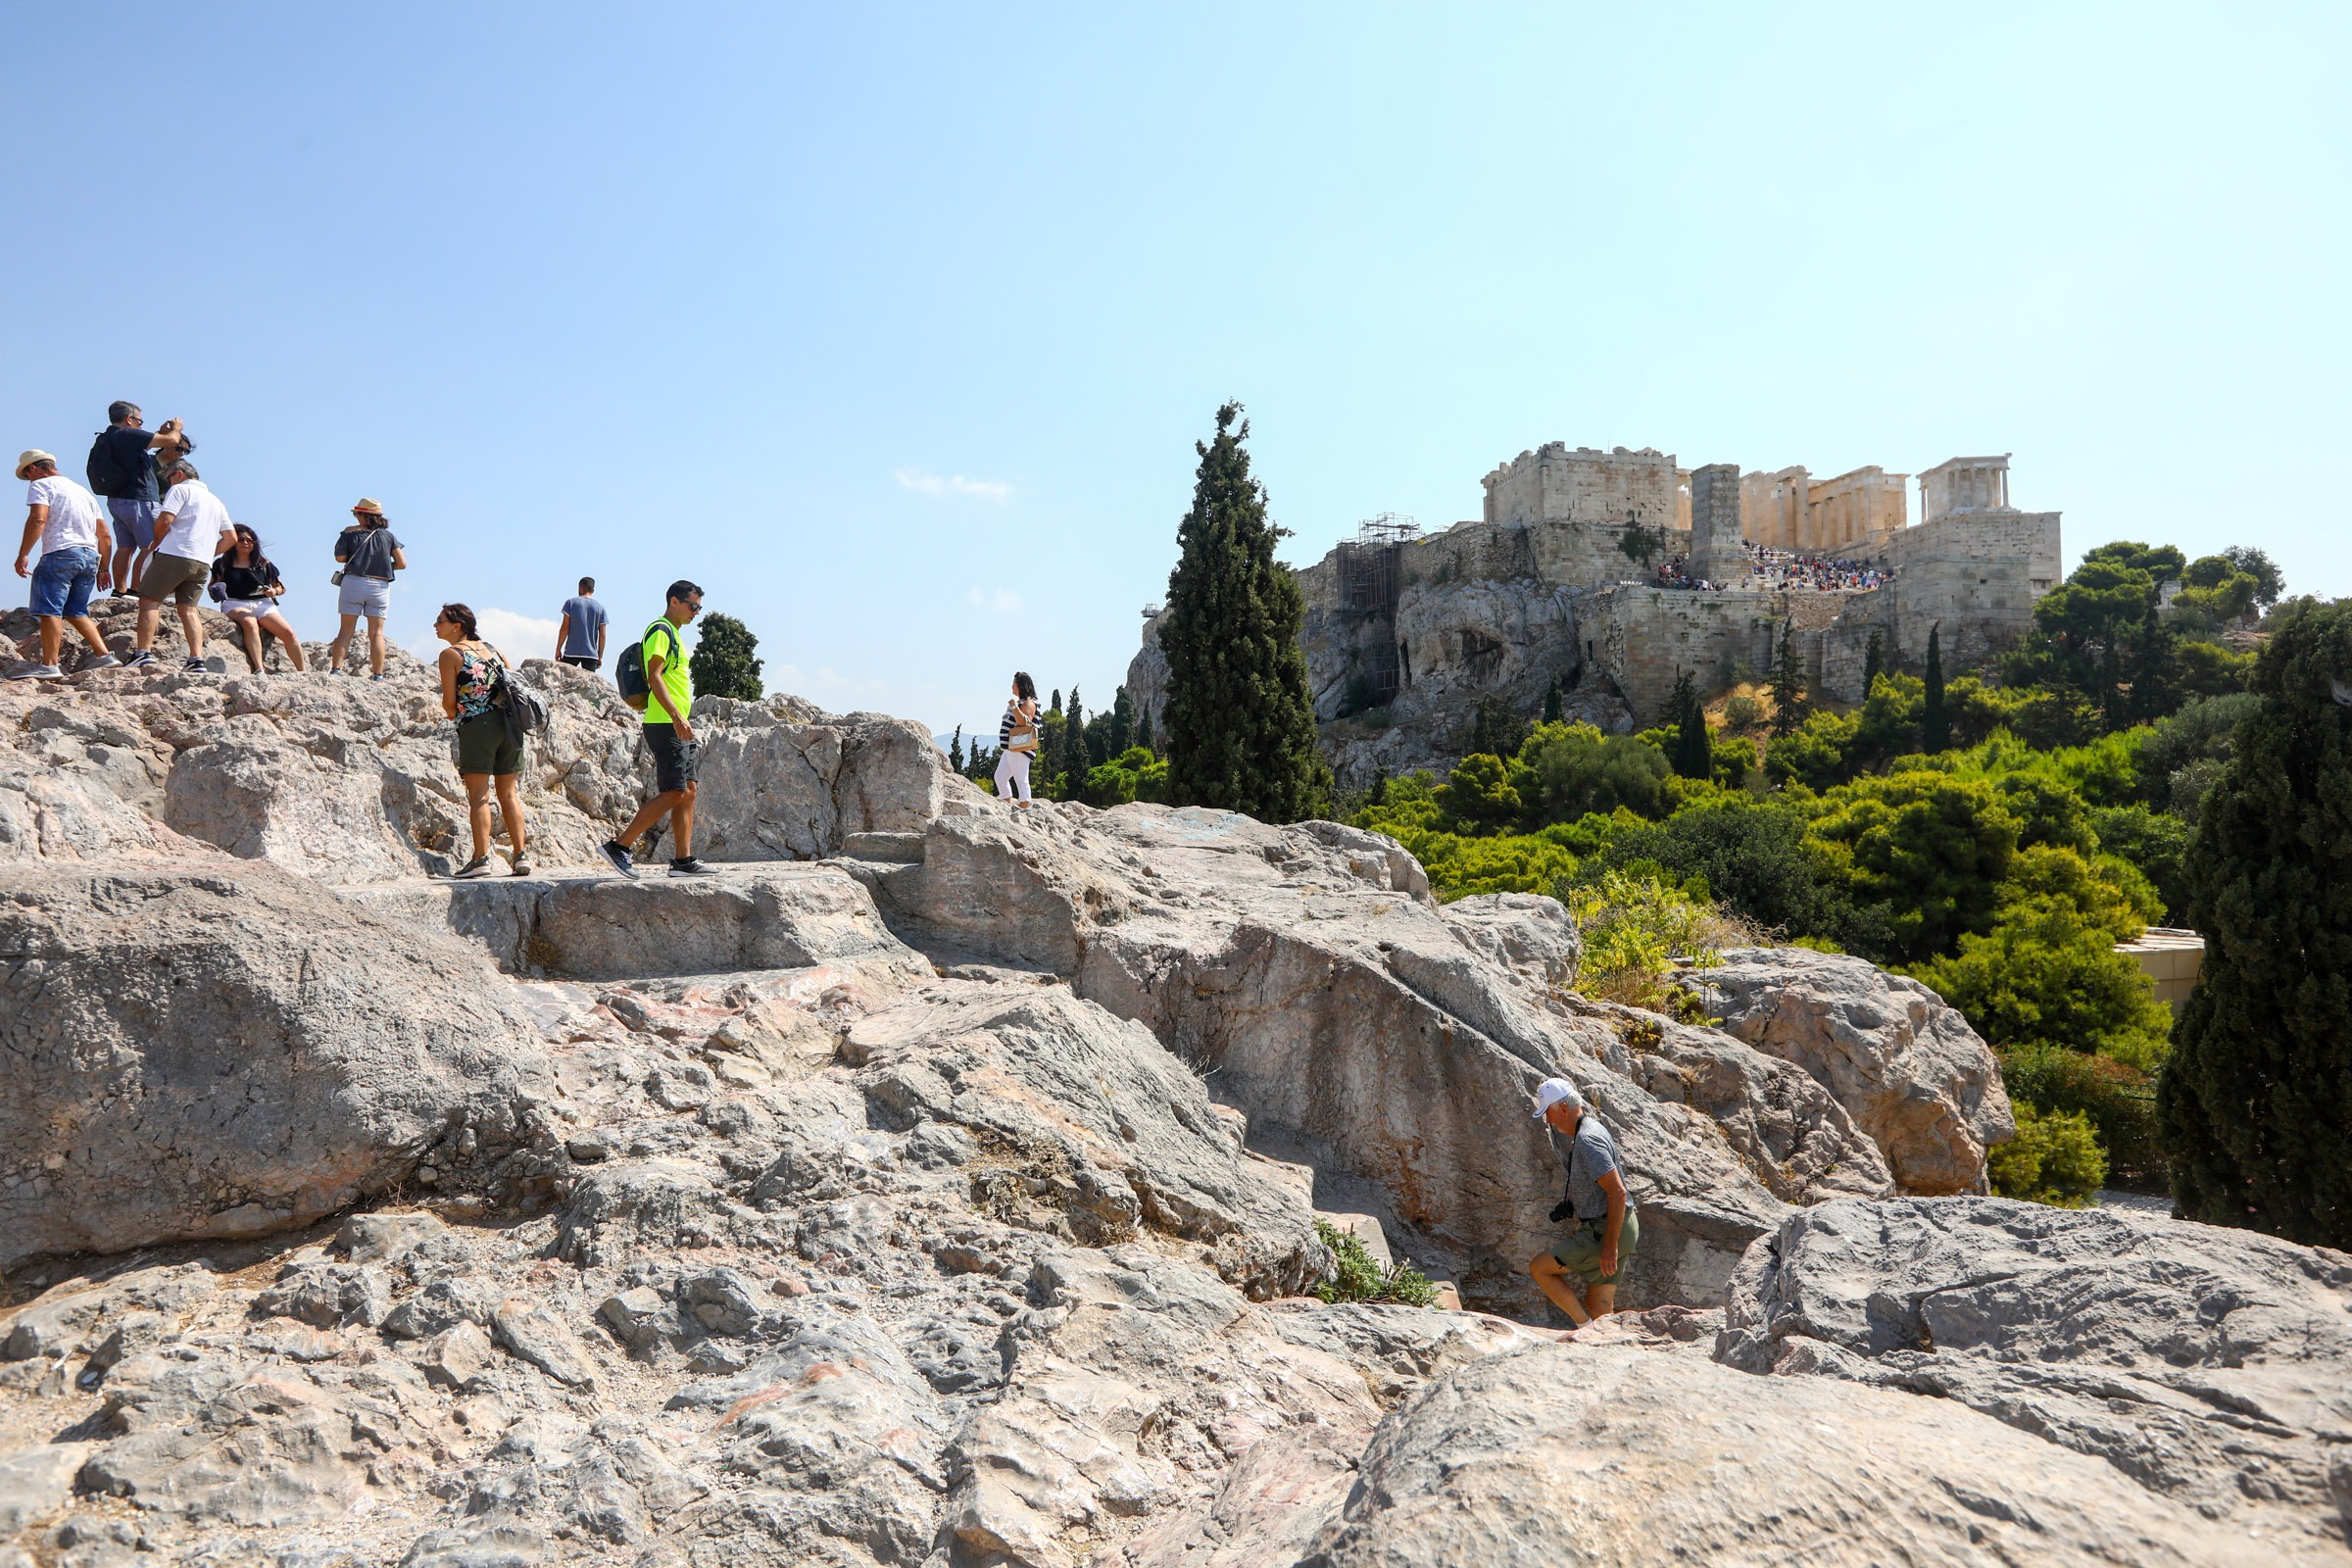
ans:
(629, 674)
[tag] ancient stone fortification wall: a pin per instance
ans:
(1556, 484)
(1976, 575)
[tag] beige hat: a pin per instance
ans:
(370, 504)
(28, 458)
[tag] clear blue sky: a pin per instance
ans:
(894, 326)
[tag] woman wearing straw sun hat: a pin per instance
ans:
(367, 555)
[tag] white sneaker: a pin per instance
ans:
(39, 672)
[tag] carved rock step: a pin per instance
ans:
(765, 916)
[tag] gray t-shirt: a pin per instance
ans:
(1591, 1155)
(587, 619)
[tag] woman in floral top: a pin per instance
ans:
(487, 754)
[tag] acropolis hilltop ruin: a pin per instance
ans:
(1406, 629)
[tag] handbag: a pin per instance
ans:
(336, 581)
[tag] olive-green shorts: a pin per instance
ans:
(1580, 1253)
(485, 747)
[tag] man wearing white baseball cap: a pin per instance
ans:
(1606, 1229)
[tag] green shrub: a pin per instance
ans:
(2119, 1099)
(1634, 928)
(1358, 1276)
(1742, 715)
(2054, 1159)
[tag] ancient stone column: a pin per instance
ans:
(1715, 552)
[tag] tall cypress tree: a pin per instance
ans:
(1787, 683)
(1935, 719)
(1074, 758)
(1121, 734)
(1239, 725)
(955, 751)
(2255, 1106)
(1874, 660)
(1694, 747)
(1553, 705)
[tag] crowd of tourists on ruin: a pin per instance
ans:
(1780, 568)
(149, 528)
(1785, 568)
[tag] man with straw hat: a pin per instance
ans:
(65, 522)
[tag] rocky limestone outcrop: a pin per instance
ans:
(1600, 1453)
(2211, 1367)
(905, 1196)
(1906, 1065)
(1307, 972)
(226, 1050)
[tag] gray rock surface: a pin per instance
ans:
(731, 1226)
(1311, 978)
(766, 917)
(2211, 1367)
(1909, 1069)
(188, 1059)
(1610, 1454)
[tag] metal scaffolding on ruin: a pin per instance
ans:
(1369, 563)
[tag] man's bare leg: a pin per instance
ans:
(648, 815)
(681, 825)
(151, 614)
(191, 627)
(89, 634)
(1553, 1281)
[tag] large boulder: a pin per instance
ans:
(228, 1051)
(780, 781)
(2212, 1367)
(1914, 1075)
(1307, 970)
(1580, 1454)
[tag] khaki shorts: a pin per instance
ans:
(485, 747)
(1580, 1253)
(177, 579)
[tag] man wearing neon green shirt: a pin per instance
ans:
(669, 736)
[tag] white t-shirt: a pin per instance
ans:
(197, 519)
(73, 514)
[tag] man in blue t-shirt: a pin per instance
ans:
(125, 461)
(580, 640)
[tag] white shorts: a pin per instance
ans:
(248, 606)
(364, 595)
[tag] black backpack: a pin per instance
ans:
(105, 473)
(629, 674)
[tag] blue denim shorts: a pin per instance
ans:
(135, 520)
(62, 581)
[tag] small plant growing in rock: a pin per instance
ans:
(1358, 1276)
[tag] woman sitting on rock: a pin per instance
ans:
(249, 585)
(471, 673)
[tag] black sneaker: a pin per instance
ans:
(195, 666)
(690, 867)
(144, 659)
(519, 865)
(478, 866)
(618, 859)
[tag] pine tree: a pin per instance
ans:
(1055, 705)
(1073, 760)
(1693, 754)
(1935, 719)
(2255, 1106)
(1787, 683)
(1874, 660)
(723, 663)
(955, 751)
(1551, 702)
(1143, 733)
(1239, 728)
(1495, 730)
